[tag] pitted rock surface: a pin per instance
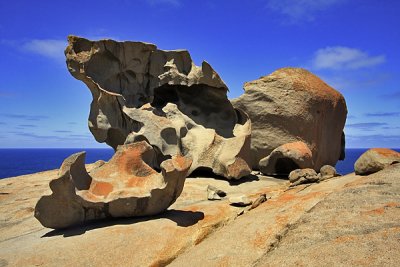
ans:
(143, 93)
(126, 186)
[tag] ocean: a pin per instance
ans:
(15, 162)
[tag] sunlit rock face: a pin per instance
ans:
(129, 185)
(375, 159)
(288, 106)
(143, 93)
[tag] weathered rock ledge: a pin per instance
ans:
(349, 220)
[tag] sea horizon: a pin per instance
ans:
(14, 162)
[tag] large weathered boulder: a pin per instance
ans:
(375, 159)
(143, 93)
(126, 186)
(286, 158)
(290, 105)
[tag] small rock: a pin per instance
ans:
(303, 176)
(261, 199)
(240, 213)
(327, 172)
(211, 195)
(375, 159)
(214, 193)
(241, 201)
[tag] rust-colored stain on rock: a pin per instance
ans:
(385, 152)
(344, 239)
(131, 162)
(136, 181)
(181, 161)
(101, 188)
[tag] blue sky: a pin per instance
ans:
(353, 45)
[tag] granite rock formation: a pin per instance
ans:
(291, 105)
(375, 159)
(128, 185)
(303, 176)
(143, 93)
(286, 158)
(308, 175)
(327, 172)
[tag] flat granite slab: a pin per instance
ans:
(348, 220)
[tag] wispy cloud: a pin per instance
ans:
(62, 131)
(27, 125)
(50, 48)
(340, 57)
(300, 10)
(363, 79)
(80, 135)
(32, 135)
(394, 95)
(366, 125)
(24, 117)
(383, 114)
(391, 127)
(374, 136)
(174, 3)
(44, 136)
(375, 140)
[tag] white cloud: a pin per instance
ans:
(298, 10)
(349, 80)
(168, 2)
(49, 48)
(340, 57)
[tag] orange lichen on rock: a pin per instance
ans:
(101, 188)
(290, 105)
(126, 186)
(386, 152)
(165, 99)
(378, 211)
(344, 239)
(286, 158)
(239, 168)
(375, 159)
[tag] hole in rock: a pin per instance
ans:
(169, 136)
(115, 137)
(82, 45)
(164, 95)
(205, 105)
(284, 166)
(157, 159)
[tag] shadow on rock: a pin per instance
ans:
(280, 176)
(182, 218)
(207, 173)
(247, 179)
